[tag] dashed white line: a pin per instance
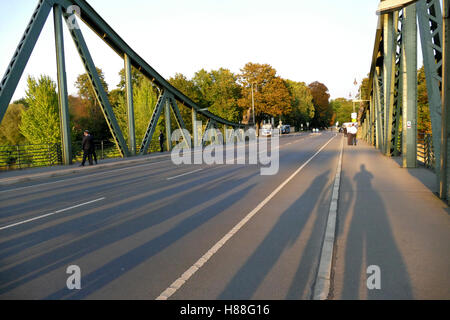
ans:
(184, 174)
(50, 214)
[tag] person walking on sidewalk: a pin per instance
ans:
(351, 133)
(94, 155)
(87, 147)
(161, 141)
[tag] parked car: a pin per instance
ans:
(285, 129)
(266, 130)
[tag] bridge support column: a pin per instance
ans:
(409, 74)
(194, 129)
(389, 41)
(168, 125)
(445, 120)
(129, 89)
(62, 87)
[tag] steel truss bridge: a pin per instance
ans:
(393, 81)
(168, 97)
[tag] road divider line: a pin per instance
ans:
(184, 174)
(50, 214)
(323, 278)
(177, 284)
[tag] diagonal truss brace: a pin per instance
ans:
(153, 123)
(100, 93)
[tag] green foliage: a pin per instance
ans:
(9, 128)
(301, 104)
(323, 116)
(343, 109)
(40, 122)
(423, 109)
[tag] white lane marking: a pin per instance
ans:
(81, 177)
(50, 214)
(323, 277)
(194, 268)
(184, 174)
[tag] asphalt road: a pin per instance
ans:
(134, 230)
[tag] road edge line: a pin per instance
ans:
(322, 283)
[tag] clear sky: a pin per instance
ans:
(329, 41)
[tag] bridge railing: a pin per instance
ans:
(425, 153)
(30, 155)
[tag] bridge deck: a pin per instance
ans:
(135, 229)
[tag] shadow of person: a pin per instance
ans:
(284, 233)
(370, 242)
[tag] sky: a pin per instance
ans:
(322, 40)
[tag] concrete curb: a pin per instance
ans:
(323, 278)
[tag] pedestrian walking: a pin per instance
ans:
(94, 155)
(86, 145)
(161, 141)
(351, 135)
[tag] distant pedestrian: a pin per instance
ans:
(86, 145)
(161, 141)
(94, 155)
(351, 133)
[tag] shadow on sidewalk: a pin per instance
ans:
(370, 242)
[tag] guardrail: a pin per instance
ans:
(30, 155)
(425, 154)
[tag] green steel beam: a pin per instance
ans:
(62, 87)
(168, 125)
(23, 51)
(430, 30)
(100, 93)
(445, 149)
(109, 36)
(389, 43)
(409, 70)
(179, 120)
(379, 113)
(153, 123)
(130, 105)
(194, 129)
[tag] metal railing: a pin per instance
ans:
(30, 155)
(425, 154)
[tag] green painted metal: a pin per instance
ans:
(23, 51)
(153, 123)
(397, 109)
(180, 122)
(109, 36)
(378, 112)
(130, 105)
(389, 43)
(430, 30)
(100, 93)
(168, 125)
(409, 57)
(194, 129)
(445, 149)
(62, 87)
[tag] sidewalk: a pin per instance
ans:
(389, 217)
(33, 174)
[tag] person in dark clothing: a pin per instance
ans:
(87, 146)
(94, 155)
(161, 141)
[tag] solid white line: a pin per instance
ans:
(184, 174)
(50, 214)
(193, 269)
(323, 277)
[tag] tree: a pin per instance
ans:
(95, 120)
(271, 96)
(136, 77)
(423, 109)
(9, 129)
(219, 92)
(40, 122)
(343, 109)
(301, 104)
(324, 114)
